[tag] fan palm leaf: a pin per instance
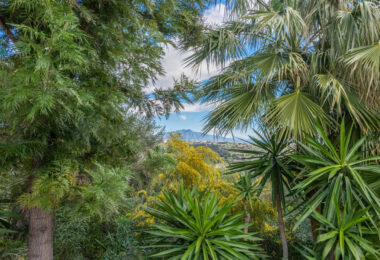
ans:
(330, 48)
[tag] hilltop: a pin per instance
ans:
(191, 136)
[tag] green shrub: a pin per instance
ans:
(193, 225)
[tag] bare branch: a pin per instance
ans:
(8, 32)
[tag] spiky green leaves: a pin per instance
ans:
(196, 226)
(343, 236)
(335, 171)
(268, 159)
(248, 190)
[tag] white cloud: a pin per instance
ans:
(183, 117)
(215, 15)
(197, 107)
(173, 61)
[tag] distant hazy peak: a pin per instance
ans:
(191, 136)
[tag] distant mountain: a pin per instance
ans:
(191, 136)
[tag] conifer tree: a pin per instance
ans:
(71, 72)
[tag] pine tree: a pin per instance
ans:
(71, 72)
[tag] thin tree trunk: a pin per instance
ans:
(247, 217)
(41, 228)
(285, 253)
(314, 226)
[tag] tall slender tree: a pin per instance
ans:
(269, 159)
(70, 73)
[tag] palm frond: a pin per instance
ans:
(296, 113)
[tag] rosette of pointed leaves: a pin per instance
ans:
(343, 237)
(335, 170)
(247, 189)
(194, 225)
(270, 159)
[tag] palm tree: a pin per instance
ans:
(269, 159)
(290, 62)
(248, 191)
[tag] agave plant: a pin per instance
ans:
(195, 225)
(335, 170)
(270, 159)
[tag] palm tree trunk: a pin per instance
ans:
(247, 217)
(41, 226)
(285, 253)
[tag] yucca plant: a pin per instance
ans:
(335, 170)
(193, 225)
(269, 158)
(343, 238)
(248, 192)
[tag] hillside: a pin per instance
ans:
(223, 149)
(191, 136)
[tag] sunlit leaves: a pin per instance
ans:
(365, 60)
(328, 50)
(196, 226)
(296, 113)
(286, 22)
(344, 236)
(335, 171)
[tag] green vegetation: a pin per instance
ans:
(198, 228)
(269, 159)
(225, 150)
(84, 173)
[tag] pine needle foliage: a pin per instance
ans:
(72, 94)
(73, 75)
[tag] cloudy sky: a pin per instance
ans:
(192, 117)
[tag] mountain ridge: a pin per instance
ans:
(192, 136)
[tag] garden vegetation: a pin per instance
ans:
(84, 173)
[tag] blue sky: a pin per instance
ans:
(192, 117)
(184, 120)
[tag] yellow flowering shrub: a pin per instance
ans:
(198, 167)
(195, 167)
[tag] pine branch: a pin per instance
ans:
(8, 32)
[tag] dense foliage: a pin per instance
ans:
(292, 62)
(72, 77)
(84, 173)
(197, 227)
